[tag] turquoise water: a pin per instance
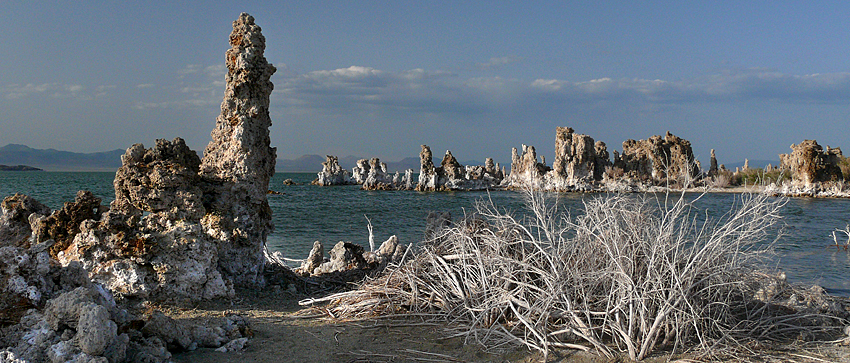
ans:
(306, 213)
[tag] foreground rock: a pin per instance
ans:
(239, 162)
(15, 229)
(151, 244)
(349, 257)
(179, 229)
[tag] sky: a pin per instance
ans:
(380, 78)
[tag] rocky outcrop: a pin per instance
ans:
(151, 243)
(713, 169)
(578, 161)
(451, 175)
(63, 225)
(349, 257)
(372, 174)
(810, 164)
(361, 171)
(15, 227)
(239, 162)
(86, 325)
(182, 227)
(658, 160)
(377, 177)
(332, 173)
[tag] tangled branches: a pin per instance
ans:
(630, 274)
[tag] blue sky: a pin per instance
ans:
(380, 78)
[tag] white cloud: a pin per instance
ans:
(54, 90)
(498, 61)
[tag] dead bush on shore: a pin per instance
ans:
(630, 274)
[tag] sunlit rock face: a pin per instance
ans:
(658, 159)
(151, 244)
(579, 163)
(451, 175)
(810, 164)
(182, 227)
(239, 162)
(332, 173)
(15, 217)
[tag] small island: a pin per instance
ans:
(18, 168)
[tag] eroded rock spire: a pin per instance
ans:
(239, 159)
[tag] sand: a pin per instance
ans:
(283, 334)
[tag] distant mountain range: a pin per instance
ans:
(55, 160)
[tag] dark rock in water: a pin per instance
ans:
(18, 168)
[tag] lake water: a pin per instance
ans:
(306, 213)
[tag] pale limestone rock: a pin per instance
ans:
(315, 259)
(659, 160)
(361, 171)
(332, 173)
(713, 169)
(810, 164)
(451, 175)
(151, 243)
(377, 177)
(95, 330)
(343, 256)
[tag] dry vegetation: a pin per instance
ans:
(630, 274)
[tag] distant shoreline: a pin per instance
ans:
(19, 168)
